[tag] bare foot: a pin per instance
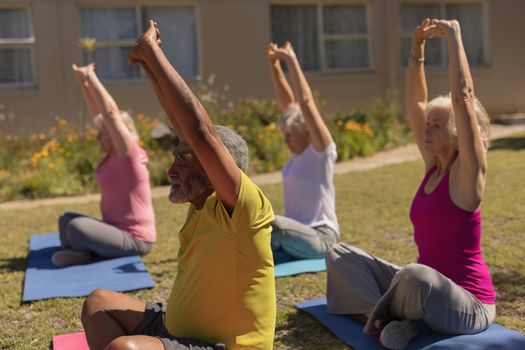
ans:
(144, 43)
(83, 72)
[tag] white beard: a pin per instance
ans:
(184, 192)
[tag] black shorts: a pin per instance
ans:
(153, 325)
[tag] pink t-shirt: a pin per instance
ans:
(448, 239)
(126, 194)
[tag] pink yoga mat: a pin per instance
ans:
(73, 341)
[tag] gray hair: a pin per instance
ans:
(235, 144)
(292, 119)
(126, 118)
(445, 101)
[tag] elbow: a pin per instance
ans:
(111, 114)
(305, 99)
(464, 93)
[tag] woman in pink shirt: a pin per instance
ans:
(450, 286)
(128, 221)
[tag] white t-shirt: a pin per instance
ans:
(308, 182)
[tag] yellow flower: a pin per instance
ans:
(44, 153)
(367, 130)
(50, 165)
(62, 122)
(61, 160)
(141, 117)
(41, 136)
(70, 138)
(352, 126)
(270, 127)
(88, 44)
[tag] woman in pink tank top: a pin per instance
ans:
(128, 222)
(450, 286)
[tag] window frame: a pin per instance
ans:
(138, 8)
(24, 43)
(323, 38)
(443, 47)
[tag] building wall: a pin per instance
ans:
(232, 36)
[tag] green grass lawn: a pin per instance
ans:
(373, 212)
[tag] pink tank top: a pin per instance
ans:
(126, 194)
(448, 239)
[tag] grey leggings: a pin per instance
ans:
(85, 233)
(360, 283)
(300, 240)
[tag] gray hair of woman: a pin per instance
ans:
(126, 118)
(445, 101)
(235, 144)
(292, 120)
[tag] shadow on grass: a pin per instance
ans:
(512, 143)
(509, 284)
(303, 331)
(13, 265)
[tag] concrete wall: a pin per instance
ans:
(232, 38)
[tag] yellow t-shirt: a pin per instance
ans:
(224, 291)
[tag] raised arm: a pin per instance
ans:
(104, 104)
(187, 112)
(319, 134)
(283, 91)
(416, 94)
(163, 101)
(472, 158)
(80, 74)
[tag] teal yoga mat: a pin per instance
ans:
(286, 265)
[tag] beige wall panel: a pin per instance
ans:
(232, 39)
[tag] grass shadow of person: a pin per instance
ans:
(302, 331)
(13, 265)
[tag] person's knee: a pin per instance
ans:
(97, 301)
(122, 343)
(340, 251)
(277, 224)
(64, 218)
(416, 276)
(78, 230)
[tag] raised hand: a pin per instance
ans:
(270, 53)
(148, 39)
(83, 71)
(421, 33)
(443, 27)
(284, 52)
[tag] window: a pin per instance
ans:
(470, 17)
(16, 47)
(116, 29)
(325, 37)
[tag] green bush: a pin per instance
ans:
(61, 161)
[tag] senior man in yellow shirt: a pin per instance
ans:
(224, 292)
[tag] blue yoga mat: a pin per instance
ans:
(287, 265)
(351, 333)
(43, 280)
